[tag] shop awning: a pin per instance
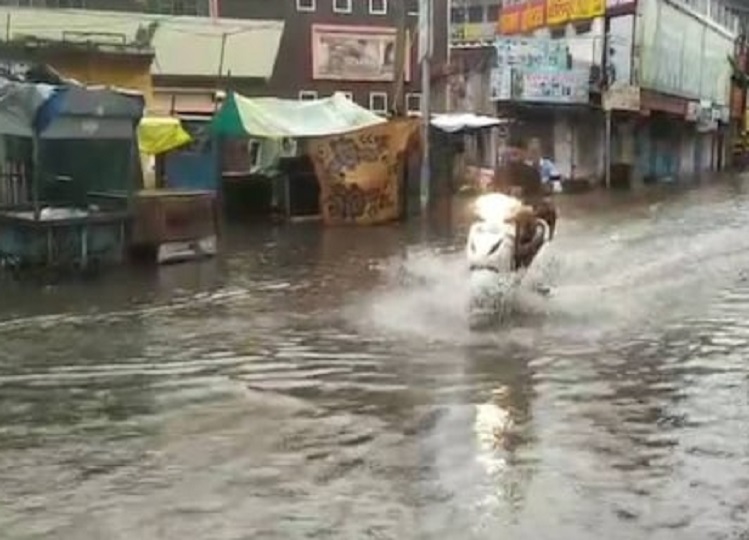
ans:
(290, 118)
(184, 46)
(460, 121)
(185, 49)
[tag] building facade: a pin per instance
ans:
(657, 103)
(324, 46)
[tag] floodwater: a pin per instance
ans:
(322, 384)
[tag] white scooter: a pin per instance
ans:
(490, 250)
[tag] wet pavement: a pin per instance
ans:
(323, 384)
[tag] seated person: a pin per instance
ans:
(519, 175)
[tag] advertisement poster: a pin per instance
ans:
(509, 20)
(551, 87)
(521, 18)
(538, 70)
(532, 53)
(562, 11)
(354, 53)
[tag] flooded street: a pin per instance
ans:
(323, 384)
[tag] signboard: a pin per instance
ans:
(587, 9)
(509, 20)
(622, 97)
(551, 87)
(693, 111)
(533, 16)
(354, 53)
(472, 32)
(562, 11)
(531, 53)
(522, 18)
(538, 70)
(359, 172)
(705, 114)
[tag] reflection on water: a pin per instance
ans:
(322, 383)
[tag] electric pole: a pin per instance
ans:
(426, 21)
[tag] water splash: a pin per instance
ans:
(619, 278)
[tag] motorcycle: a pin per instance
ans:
(491, 251)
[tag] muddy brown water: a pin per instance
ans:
(322, 384)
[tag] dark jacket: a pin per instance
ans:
(522, 175)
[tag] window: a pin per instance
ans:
(457, 15)
(306, 5)
(307, 95)
(378, 7)
(378, 102)
(476, 14)
(413, 103)
(195, 8)
(342, 6)
(492, 13)
(413, 7)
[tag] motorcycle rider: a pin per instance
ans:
(520, 175)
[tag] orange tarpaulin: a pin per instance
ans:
(359, 172)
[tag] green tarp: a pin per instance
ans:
(288, 118)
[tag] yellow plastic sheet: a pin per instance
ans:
(157, 135)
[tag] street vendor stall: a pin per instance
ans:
(466, 147)
(271, 121)
(73, 212)
(170, 224)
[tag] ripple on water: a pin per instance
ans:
(341, 399)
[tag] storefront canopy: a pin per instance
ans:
(452, 123)
(67, 112)
(289, 118)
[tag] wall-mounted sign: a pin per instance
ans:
(537, 70)
(551, 87)
(704, 114)
(532, 53)
(562, 11)
(533, 16)
(354, 53)
(522, 18)
(725, 115)
(509, 20)
(693, 111)
(472, 32)
(622, 97)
